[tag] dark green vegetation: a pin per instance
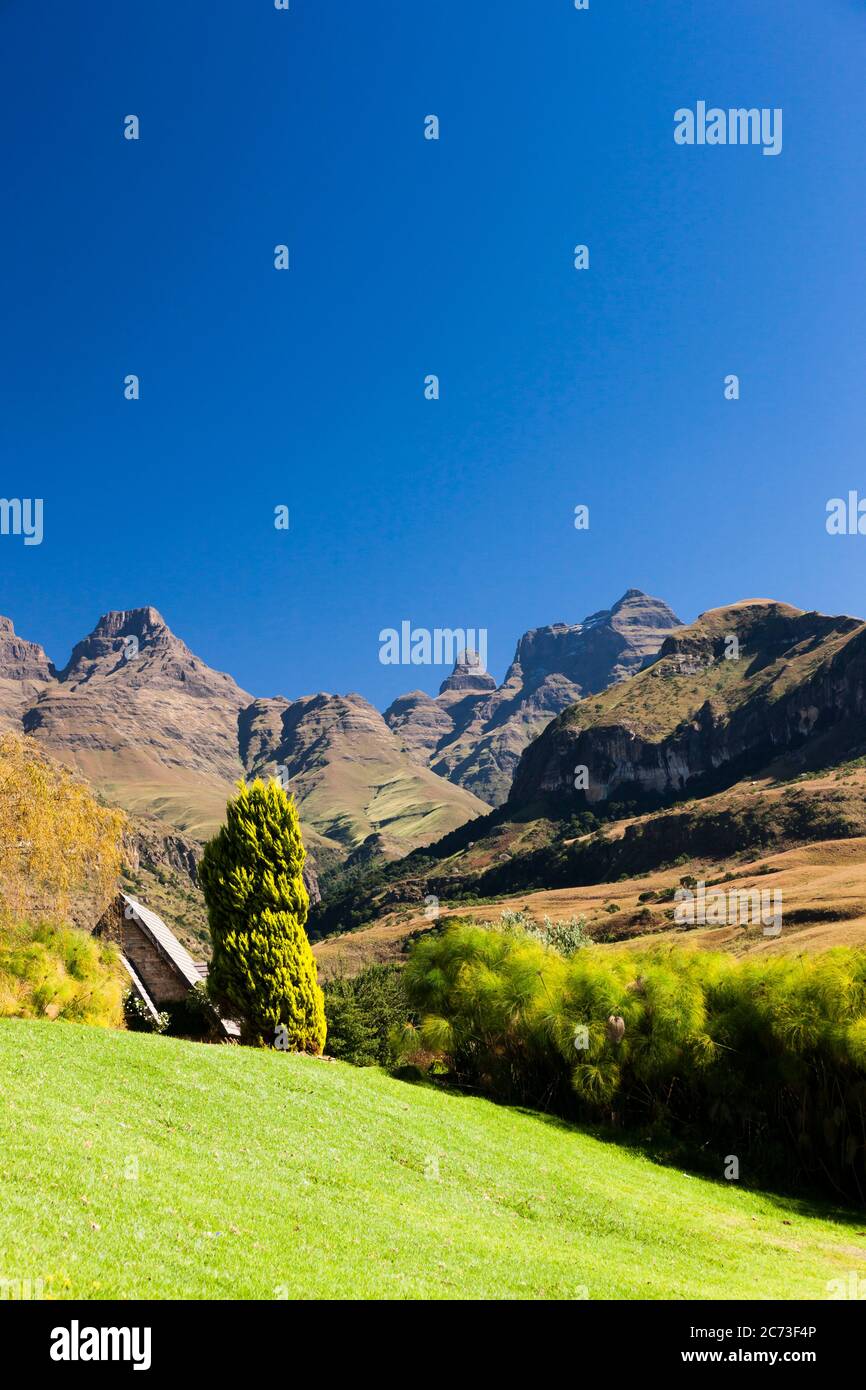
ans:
(262, 972)
(145, 1167)
(764, 1059)
(366, 1015)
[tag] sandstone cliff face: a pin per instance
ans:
(145, 720)
(25, 672)
(706, 711)
(162, 734)
(474, 734)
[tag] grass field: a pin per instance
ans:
(139, 1166)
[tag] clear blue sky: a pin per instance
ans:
(410, 257)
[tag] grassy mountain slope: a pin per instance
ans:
(144, 1167)
(823, 888)
(161, 734)
(749, 831)
(350, 775)
(725, 697)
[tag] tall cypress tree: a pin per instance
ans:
(263, 971)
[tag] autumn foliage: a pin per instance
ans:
(57, 842)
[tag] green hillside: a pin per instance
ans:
(781, 649)
(137, 1166)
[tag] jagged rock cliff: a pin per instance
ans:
(25, 672)
(724, 697)
(474, 733)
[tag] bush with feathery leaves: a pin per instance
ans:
(764, 1058)
(263, 971)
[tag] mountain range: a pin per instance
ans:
(160, 733)
(612, 747)
(474, 731)
(743, 737)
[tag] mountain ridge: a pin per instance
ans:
(724, 695)
(475, 735)
(161, 733)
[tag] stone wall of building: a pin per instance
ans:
(156, 972)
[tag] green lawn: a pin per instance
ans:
(137, 1166)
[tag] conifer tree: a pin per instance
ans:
(263, 972)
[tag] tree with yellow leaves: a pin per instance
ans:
(56, 840)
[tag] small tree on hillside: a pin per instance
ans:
(263, 971)
(58, 846)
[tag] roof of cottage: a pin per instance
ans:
(164, 938)
(165, 941)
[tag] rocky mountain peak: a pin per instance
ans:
(136, 647)
(127, 622)
(21, 660)
(468, 675)
(607, 646)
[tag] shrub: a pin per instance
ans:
(763, 1058)
(51, 971)
(138, 1017)
(194, 1016)
(263, 971)
(563, 937)
(366, 1014)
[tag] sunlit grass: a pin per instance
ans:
(136, 1166)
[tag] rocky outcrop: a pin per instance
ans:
(473, 733)
(25, 672)
(724, 697)
(150, 845)
(420, 723)
(467, 677)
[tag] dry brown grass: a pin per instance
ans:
(826, 880)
